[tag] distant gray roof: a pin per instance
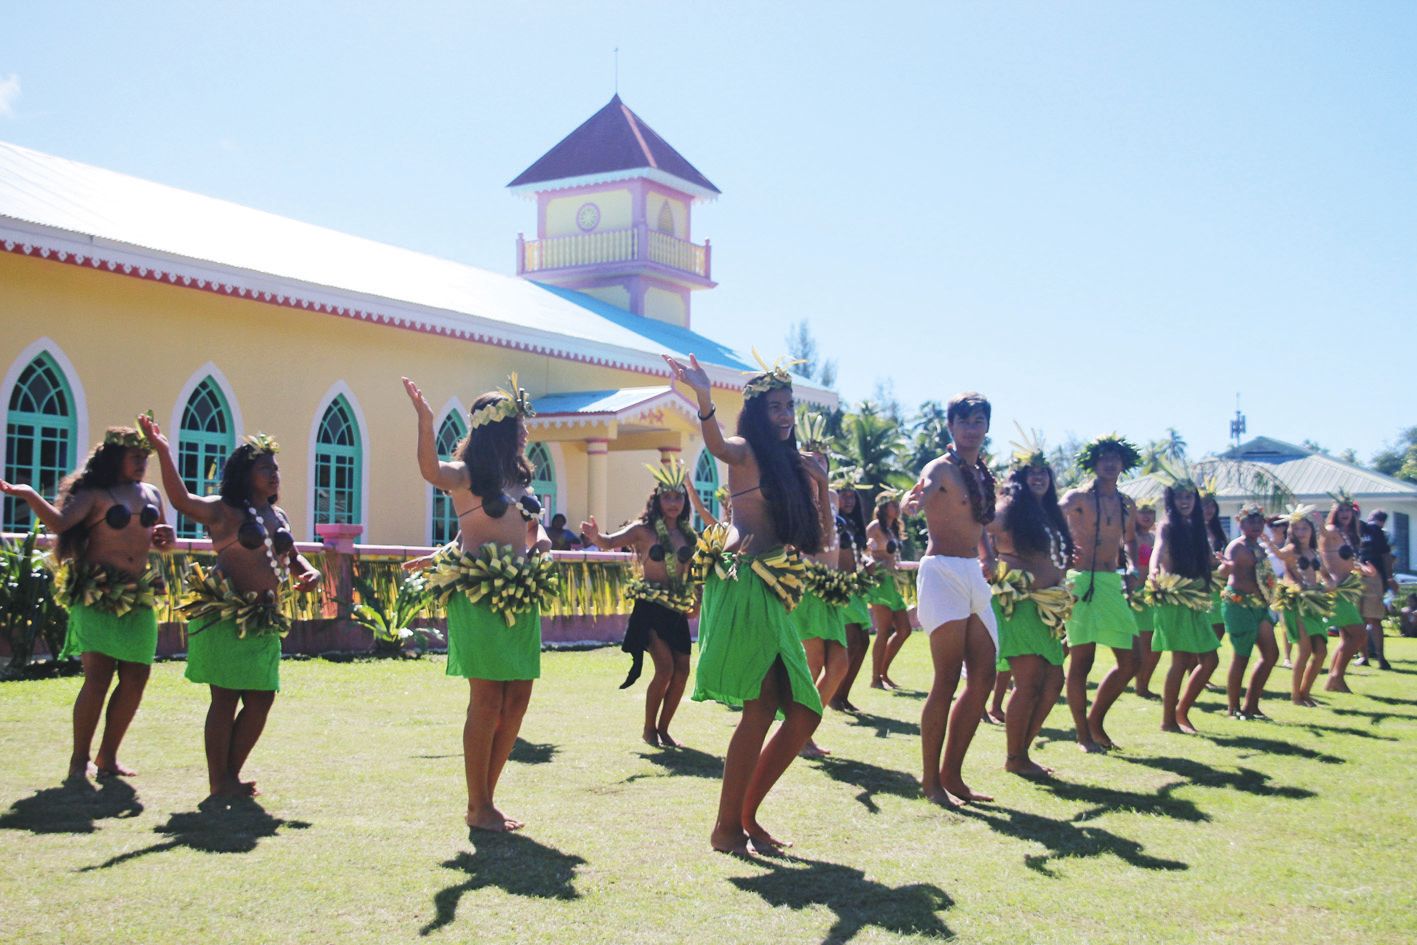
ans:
(1306, 473)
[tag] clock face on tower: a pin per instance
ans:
(588, 217)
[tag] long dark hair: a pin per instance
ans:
(785, 485)
(1027, 518)
(882, 503)
(235, 488)
(1313, 535)
(1351, 532)
(1186, 539)
(855, 519)
(1218, 541)
(491, 453)
(100, 471)
(654, 513)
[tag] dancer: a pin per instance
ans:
(233, 643)
(1102, 525)
(106, 523)
(1339, 543)
(956, 492)
(1031, 600)
(826, 592)
(851, 540)
(1179, 588)
(663, 541)
(1245, 605)
(1304, 603)
(493, 582)
(889, 614)
(1147, 658)
(751, 568)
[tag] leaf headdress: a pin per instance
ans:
(1342, 497)
(669, 477)
(1094, 448)
(130, 439)
(262, 443)
(514, 402)
(1028, 450)
(771, 377)
(1297, 513)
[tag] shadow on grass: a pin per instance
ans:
(681, 762)
(1105, 800)
(511, 862)
(871, 779)
(1323, 731)
(216, 826)
(523, 752)
(1272, 746)
(885, 725)
(1065, 839)
(73, 807)
(1390, 700)
(1247, 780)
(1375, 718)
(856, 901)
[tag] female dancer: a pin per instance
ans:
(493, 583)
(107, 521)
(818, 617)
(1245, 604)
(749, 654)
(232, 645)
(1180, 592)
(1338, 543)
(888, 611)
(663, 541)
(851, 541)
(1304, 603)
(1031, 600)
(1147, 658)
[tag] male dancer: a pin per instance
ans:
(1102, 523)
(1245, 604)
(956, 492)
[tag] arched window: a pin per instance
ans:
(205, 440)
(543, 478)
(40, 436)
(666, 218)
(706, 485)
(445, 520)
(337, 461)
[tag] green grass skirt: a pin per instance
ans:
(1145, 618)
(1294, 625)
(887, 593)
(1183, 630)
(1243, 625)
(482, 646)
(131, 638)
(1345, 614)
(814, 617)
(743, 629)
(1024, 634)
(1107, 618)
(857, 611)
(216, 656)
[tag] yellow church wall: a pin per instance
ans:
(616, 295)
(615, 206)
(666, 306)
(135, 345)
(654, 204)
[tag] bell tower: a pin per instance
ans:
(614, 209)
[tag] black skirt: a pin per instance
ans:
(648, 618)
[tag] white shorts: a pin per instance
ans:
(951, 589)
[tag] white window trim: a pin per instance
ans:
(76, 388)
(238, 426)
(335, 390)
(453, 405)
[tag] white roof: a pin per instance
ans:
(86, 215)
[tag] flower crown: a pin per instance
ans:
(514, 402)
(848, 476)
(669, 477)
(772, 376)
(1028, 450)
(1249, 510)
(1147, 503)
(262, 443)
(811, 430)
(1087, 458)
(1298, 513)
(1178, 477)
(130, 439)
(1343, 497)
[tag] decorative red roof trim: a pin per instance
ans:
(149, 274)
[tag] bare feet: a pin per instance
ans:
(938, 795)
(651, 738)
(890, 683)
(1184, 724)
(1146, 694)
(761, 839)
(115, 770)
(844, 705)
(813, 750)
(880, 684)
(1090, 747)
(1025, 767)
(1170, 727)
(490, 819)
(1336, 685)
(81, 770)
(961, 790)
(732, 842)
(1309, 703)
(995, 716)
(666, 740)
(1100, 736)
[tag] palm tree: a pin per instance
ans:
(872, 443)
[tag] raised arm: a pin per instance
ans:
(707, 517)
(732, 450)
(54, 519)
(633, 534)
(1159, 553)
(445, 476)
(205, 510)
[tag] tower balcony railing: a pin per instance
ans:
(635, 244)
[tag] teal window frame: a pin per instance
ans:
(41, 436)
(543, 478)
(339, 476)
(445, 519)
(706, 485)
(203, 444)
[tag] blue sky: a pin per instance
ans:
(1102, 215)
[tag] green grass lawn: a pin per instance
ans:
(1283, 832)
